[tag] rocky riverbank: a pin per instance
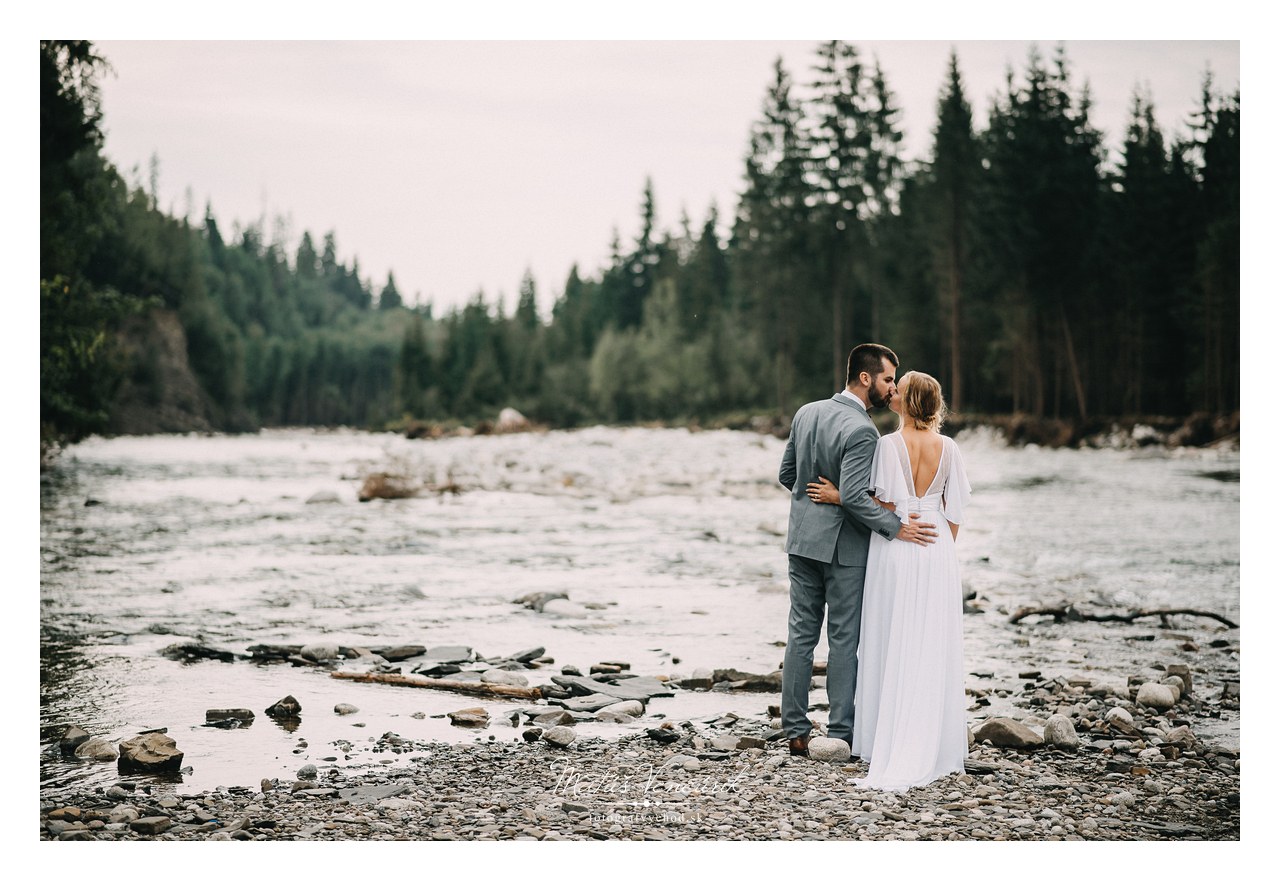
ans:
(1084, 761)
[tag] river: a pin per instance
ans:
(669, 541)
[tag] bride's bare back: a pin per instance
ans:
(924, 449)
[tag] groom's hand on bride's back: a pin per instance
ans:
(918, 532)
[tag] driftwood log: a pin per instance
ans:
(1068, 612)
(486, 689)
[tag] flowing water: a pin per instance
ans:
(668, 542)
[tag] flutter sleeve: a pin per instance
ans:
(955, 495)
(888, 481)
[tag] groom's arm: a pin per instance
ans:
(787, 471)
(855, 483)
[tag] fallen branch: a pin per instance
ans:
(1068, 612)
(488, 689)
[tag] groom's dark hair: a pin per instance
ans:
(868, 357)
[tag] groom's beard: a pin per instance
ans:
(877, 399)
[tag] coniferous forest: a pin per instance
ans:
(1030, 266)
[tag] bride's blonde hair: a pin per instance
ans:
(922, 400)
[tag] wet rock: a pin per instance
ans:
(1060, 732)
(553, 719)
(503, 677)
(71, 739)
(531, 734)
(194, 651)
(150, 754)
(473, 717)
(308, 772)
(570, 670)
(1007, 733)
(396, 653)
(662, 735)
(241, 717)
(324, 497)
(345, 709)
(1156, 696)
(286, 707)
(150, 825)
(587, 703)
(560, 736)
(639, 688)
(528, 656)
(321, 651)
(828, 749)
(96, 750)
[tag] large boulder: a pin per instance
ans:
(1060, 732)
(153, 753)
(827, 749)
(1009, 734)
(1156, 696)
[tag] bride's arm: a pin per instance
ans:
(824, 492)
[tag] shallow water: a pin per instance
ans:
(675, 536)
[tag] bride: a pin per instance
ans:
(909, 718)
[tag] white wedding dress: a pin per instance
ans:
(909, 714)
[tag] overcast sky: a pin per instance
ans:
(457, 165)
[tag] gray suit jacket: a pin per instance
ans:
(834, 439)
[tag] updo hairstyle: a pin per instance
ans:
(922, 402)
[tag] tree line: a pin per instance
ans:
(1019, 263)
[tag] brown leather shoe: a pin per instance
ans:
(799, 746)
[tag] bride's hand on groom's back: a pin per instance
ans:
(823, 492)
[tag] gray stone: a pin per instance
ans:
(123, 814)
(1156, 696)
(399, 652)
(531, 734)
(308, 772)
(629, 708)
(553, 718)
(1121, 714)
(503, 677)
(1007, 733)
(323, 497)
(559, 736)
(321, 651)
(1174, 684)
(639, 688)
(724, 741)
(71, 739)
(1060, 732)
(150, 754)
(450, 654)
(587, 703)
(1181, 736)
(345, 709)
(828, 749)
(96, 750)
(1183, 672)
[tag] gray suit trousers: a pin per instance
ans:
(838, 588)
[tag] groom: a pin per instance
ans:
(827, 544)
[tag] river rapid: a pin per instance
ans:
(669, 542)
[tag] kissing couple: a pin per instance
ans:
(863, 546)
